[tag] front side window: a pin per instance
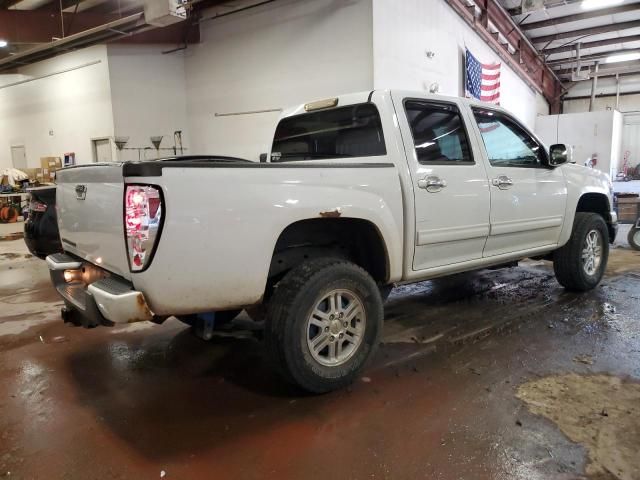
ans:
(438, 133)
(507, 144)
(351, 131)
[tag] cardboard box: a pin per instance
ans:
(33, 173)
(628, 209)
(50, 163)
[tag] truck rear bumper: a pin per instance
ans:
(98, 297)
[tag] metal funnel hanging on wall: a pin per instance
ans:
(120, 142)
(156, 143)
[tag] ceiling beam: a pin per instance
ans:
(40, 26)
(55, 6)
(525, 61)
(591, 58)
(602, 95)
(622, 68)
(596, 44)
(581, 16)
(583, 32)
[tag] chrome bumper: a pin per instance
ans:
(100, 299)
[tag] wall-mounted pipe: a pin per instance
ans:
(58, 72)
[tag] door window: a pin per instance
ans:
(507, 144)
(439, 134)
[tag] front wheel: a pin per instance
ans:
(323, 324)
(580, 264)
(634, 238)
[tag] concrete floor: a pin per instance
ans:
(495, 374)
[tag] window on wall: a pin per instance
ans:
(506, 142)
(438, 133)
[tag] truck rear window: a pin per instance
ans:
(352, 131)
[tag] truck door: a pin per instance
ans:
(450, 185)
(528, 199)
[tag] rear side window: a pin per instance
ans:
(352, 131)
(439, 135)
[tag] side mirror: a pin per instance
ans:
(558, 154)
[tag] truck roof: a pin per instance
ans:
(365, 96)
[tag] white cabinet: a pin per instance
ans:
(588, 134)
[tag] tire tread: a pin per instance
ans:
(566, 265)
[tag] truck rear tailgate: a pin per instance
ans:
(90, 199)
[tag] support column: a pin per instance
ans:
(594, 85)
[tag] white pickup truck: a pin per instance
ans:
(358, 193)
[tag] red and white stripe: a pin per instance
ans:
(490, 84)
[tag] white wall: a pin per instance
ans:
(591, 133)
(75, 106)
(628, 103)
(404, 30)
(274, 56)
(148, 97)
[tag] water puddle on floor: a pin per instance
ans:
(600, 412)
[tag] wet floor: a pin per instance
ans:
(442, 399)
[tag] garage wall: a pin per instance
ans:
(631, 139)
(148, 97)
(60, 113)
(628, 103)
(275, 56)
(404, 31)
(591, 133)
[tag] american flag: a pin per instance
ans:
(482, 79)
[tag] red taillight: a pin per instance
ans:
(36, 206)
(142, 218)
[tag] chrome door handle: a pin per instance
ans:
(432, 184)
(502, 182)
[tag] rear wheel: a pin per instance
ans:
(580, 264)
(634, 238)
(323, 324)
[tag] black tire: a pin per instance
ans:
(634, 238)
(567, 260)
(286, 328)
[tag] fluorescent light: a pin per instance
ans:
(622, 57)
(593, 4)
(3, 43)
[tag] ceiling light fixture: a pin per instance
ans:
(593, 4)
(3, 43)
(622, 57)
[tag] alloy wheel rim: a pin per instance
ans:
(335, 327)
(592, 252)
(636, 237)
